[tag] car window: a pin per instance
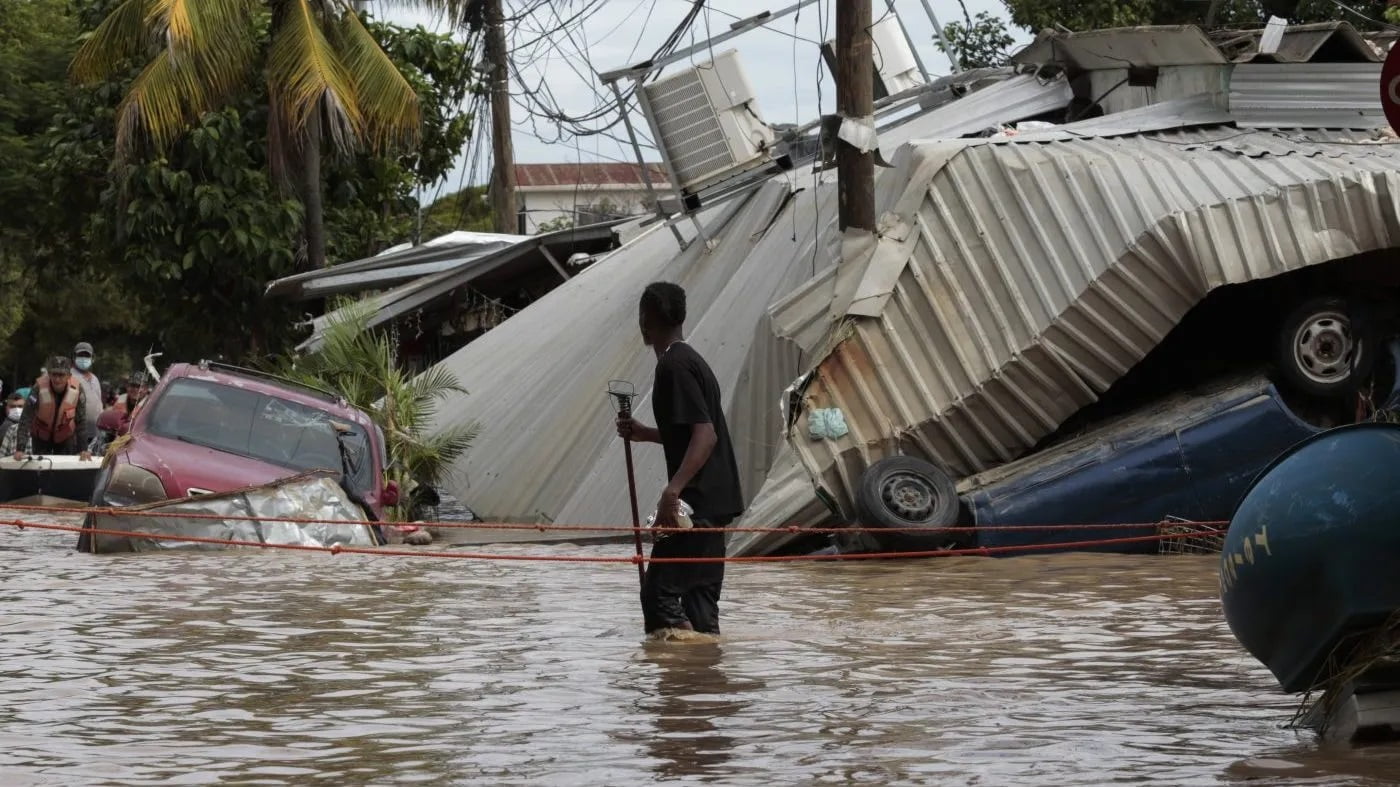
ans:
(260, 426)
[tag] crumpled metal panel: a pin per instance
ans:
(1307, 95)
(307, 496)
(787, 498)
(1036, 274)
(547, 450)
(1017, 98)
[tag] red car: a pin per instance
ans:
(212, 428)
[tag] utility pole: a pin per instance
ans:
(855, 101)
(502, 192)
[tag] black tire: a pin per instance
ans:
(915, 499)
(1323, 348)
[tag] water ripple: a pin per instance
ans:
(277, 668)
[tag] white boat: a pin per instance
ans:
(49, 480)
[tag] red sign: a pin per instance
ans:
(1390, 88)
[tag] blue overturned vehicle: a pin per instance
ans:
(1189, 457)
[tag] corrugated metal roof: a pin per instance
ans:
(585, 173)
(1181, 45)
(547, 448)
(1190, 112)
(394, 264)
(1029, 276)
(1328, 41)
(1019, 97)
(460, 271)
(1306, 95)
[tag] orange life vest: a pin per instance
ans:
(55, 420)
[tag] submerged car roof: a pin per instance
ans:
(271, 385)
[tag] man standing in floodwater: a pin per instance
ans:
(690, 426)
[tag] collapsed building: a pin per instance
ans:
(1043, 228)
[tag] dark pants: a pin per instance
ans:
(685, 595)
(44, 447)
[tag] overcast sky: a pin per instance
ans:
(781, 60)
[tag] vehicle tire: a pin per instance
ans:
(915, 499)
(1322, 350)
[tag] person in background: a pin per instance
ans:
(9, 427)
(92, 387)
(137, 389)
(55, 415)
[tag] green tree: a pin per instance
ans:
(34, 50)
(980, 42)
(362, 365)
(555, 224)
(1080, 15)
(465, 210)
(327, 81)
(172, 251)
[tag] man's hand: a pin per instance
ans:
(668, 508)
(19, 455)
(629, 428)
(85, 456)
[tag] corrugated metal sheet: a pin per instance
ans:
(1035, 274)
(1307, 95)
(460, 270)
(455, 248)
(1022, 96)
(585, 173)
(547, 449)
(1183, 45)
(1110, 87)
(1335, 41)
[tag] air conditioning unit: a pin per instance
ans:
(896, 70)
(707, 123)
(895, 65)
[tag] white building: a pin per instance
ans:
(585, 193)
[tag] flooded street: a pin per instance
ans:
(290, 668)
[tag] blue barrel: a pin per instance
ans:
(1313, 552)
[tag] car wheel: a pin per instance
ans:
(914, 498)
(1322, 351)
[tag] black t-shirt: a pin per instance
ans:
(686, 394)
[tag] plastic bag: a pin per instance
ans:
(682, 520)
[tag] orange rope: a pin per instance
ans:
(338, 550)
(122, 512)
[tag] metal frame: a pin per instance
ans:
(738, 28)
(229, 368)
(723, 190)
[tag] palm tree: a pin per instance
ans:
(327, 80)
(361, 365)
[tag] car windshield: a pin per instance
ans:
(260, 426)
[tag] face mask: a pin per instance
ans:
(15, 413)
(83, 364)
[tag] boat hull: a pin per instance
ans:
(1309, 562)
(48, 480)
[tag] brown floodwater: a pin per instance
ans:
(292, 668)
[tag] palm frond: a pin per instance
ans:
(387, 101)
(173, 20)
(215, 37)
(306, 76)
(122, 35)
(159, 101)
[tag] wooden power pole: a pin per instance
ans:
(502, 192)
(855, 99)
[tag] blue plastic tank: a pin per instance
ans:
(1312, 556)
